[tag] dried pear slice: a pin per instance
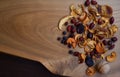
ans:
(63, 20)
(114, 28)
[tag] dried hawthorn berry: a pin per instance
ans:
(93, 2)
(76, 53)
(114, 39)
(111, 20)
(69, 28)
(87, 3)
(58, 38)
(66, 23)
(91, 26)
(104, 42)
(111, 46)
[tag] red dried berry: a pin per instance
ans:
(111, 47)
(100, 21)
(104, 42)
(76, 53)
(91, 26)
(87, 3)
(81, 39)
(111, 21)
(66, 23)
(114, 39)
(69, 28)
(93, 2)
(73, 21)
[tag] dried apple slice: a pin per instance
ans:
(62, 21)
(77, 36)
(114, 28)
(112, 57)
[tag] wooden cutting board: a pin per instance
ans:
(28, 28)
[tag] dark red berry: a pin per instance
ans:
(93, 2)
(111, 47)
(114, 39)
(69, 28)
(58, 38)
(111, 20)
(91, 26)
(73, 21)
(100, 21)
(104, 42)
(66, 23)
(73, 30)
(69, 46)
(109, 42)
(87, 3)
(81, 39)
(76, 53)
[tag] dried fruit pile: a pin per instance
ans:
(90, 26)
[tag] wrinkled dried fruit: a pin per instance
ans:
(100, 48)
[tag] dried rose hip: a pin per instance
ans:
(91, 26)
(111, 20)
(114, 39)
(93, 2)
(104, 42)
(76, 53)
(87, 3)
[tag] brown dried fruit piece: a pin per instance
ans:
(111, 57)
(106, 11)
(90, 71)
(72, 42)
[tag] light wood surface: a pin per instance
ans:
(28, 28)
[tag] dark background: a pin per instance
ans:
(13, 66)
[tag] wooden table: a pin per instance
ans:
(28, 28)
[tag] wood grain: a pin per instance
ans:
(28, 28)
